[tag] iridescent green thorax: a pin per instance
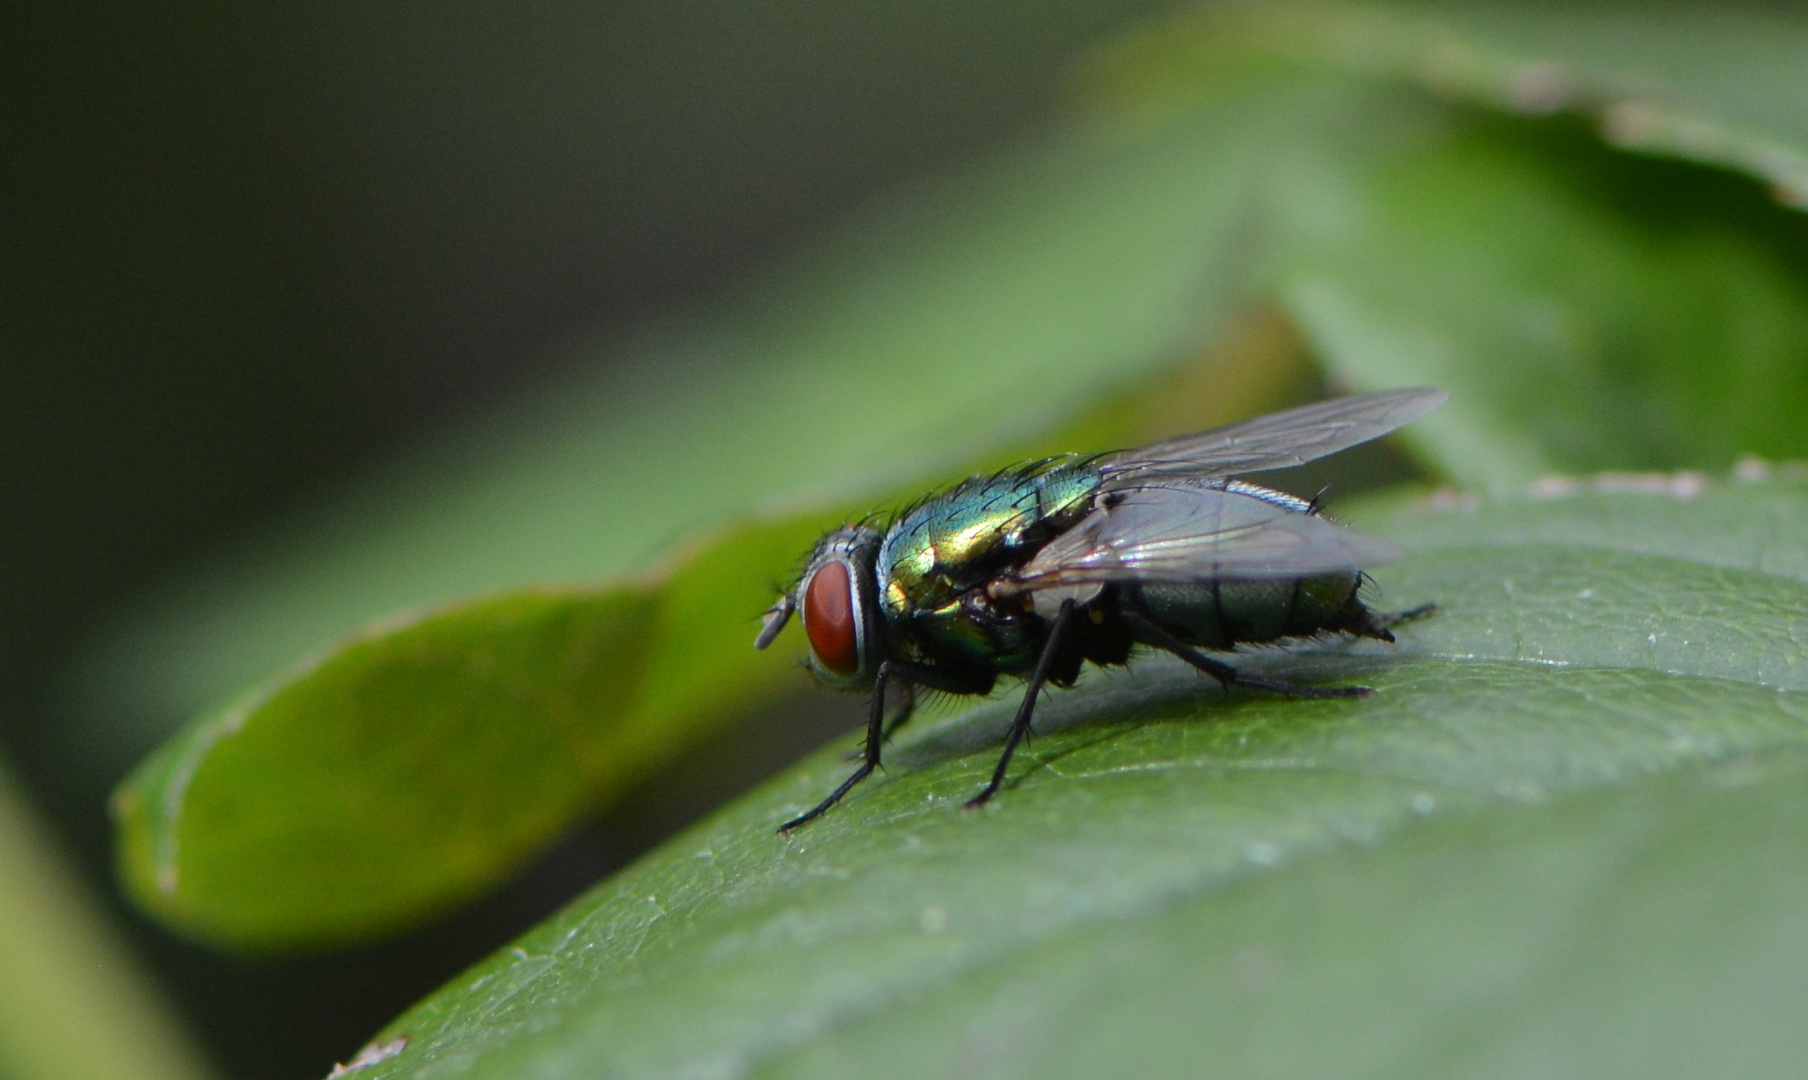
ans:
(939, 554)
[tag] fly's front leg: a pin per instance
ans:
(875, 737)
(1146, 631)
(907, 706)
(910, 676)
(907, 691)
(1021, 725)
(907, 675)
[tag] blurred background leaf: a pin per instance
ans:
(74, 1005)
(264, 251)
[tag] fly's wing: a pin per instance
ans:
(1279, 441)
(1179, 532)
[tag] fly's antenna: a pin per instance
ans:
(775, 619)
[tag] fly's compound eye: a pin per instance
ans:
(830, 619)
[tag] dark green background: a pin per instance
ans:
(250, 249)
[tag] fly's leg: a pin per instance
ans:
(1146, 631)
(877, 730)
(1021, 725)
(905, 708)
(907, 691)
(875, 735)
(1396, 618)
(1380, 625)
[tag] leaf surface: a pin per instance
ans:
(1559, 839)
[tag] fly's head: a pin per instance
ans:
(838, 598)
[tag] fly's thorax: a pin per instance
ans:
(838, 599)
(937, 559)
(954, 542)
(971, 633)
(1221, 613)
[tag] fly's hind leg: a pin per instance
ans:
(1398, 618)
(1148, 632)
(1380, 625)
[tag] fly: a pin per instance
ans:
(1036, 570)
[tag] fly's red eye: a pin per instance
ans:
(829, 619)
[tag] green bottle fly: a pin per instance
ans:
(1034, 571)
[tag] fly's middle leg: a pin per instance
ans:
(1020, 725)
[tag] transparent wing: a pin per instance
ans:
(1182, 532)
(1279, 441)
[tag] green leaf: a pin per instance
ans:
(1568, 296)
(1561, 839)
(1719, 85)
(1464, 269)
(423, 760)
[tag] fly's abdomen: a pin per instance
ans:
(1218, 614)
